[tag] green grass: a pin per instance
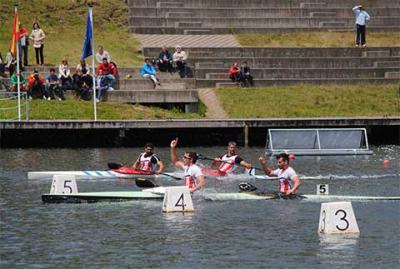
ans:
(64, 23)
(311, 101)
(317, 39)
(82, 110)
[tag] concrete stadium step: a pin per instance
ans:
(392, 75)
(260, 12)
(197, 31)
(259, 3)
(133, 85)
(147, 84)
(303, 73)
(176, 14)
(386, 64)
(257, 52)
(157, 30)
(188, 98)
(283, 82)
(323, 14)
(324, 24)
(186, 41)
(212, 22)
(160, 4)
(376, 53)
(185, 24)
(211, 63)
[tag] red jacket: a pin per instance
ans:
(108, 69)
(233, 70)
(31, 80)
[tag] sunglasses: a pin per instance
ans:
(187, 157)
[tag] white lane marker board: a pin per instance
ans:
(337, 218)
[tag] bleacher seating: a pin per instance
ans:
(256, 16)
(283, 66)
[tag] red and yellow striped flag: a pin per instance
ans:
(15, 34)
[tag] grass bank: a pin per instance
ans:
(72, 109)
(311, 101)
(64, 23)
(317, 39)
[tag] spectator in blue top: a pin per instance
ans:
(148, 71)
(361, 19)
(102, 85)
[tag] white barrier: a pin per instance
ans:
(337, 218)
(322, 189)
(63, 184)
(177, 199)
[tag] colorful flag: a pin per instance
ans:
(87, 43)
(15, 34)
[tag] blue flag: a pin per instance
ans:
(87, 43)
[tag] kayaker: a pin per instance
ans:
(288, 181)
(149, 161)
(193, 177)
(231, 160)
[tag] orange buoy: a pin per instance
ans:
(386, 163)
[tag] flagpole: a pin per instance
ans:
(16, 35)
(93, 70)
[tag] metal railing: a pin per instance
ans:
(9, 106)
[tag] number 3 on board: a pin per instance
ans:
(336, 218)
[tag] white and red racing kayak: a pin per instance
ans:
(122, 172)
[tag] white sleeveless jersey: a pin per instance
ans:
(228, 164)
(148, 163)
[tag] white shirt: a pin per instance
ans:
(361, 15)
(99, 57)
(190, 175)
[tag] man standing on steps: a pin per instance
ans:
(288, 181)
(361, 20)
(193, 177)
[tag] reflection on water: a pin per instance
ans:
(338, 249)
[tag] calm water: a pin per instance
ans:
(232, 234)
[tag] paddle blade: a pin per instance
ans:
(145, 183)
(114, 165)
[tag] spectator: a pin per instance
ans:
(53, 86)
(164, 60)
(361, 20)
(82, 75)
(85, 91)
(102, 85)
(36, 86)
(246, 77)
(11, 62)
(2, 66)
(234, 74)
(148, 71)
(109, 70)
(101, 54)
(14, 82)
(64, 74)
(23, 44)
(38, 36)
(180, 58)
